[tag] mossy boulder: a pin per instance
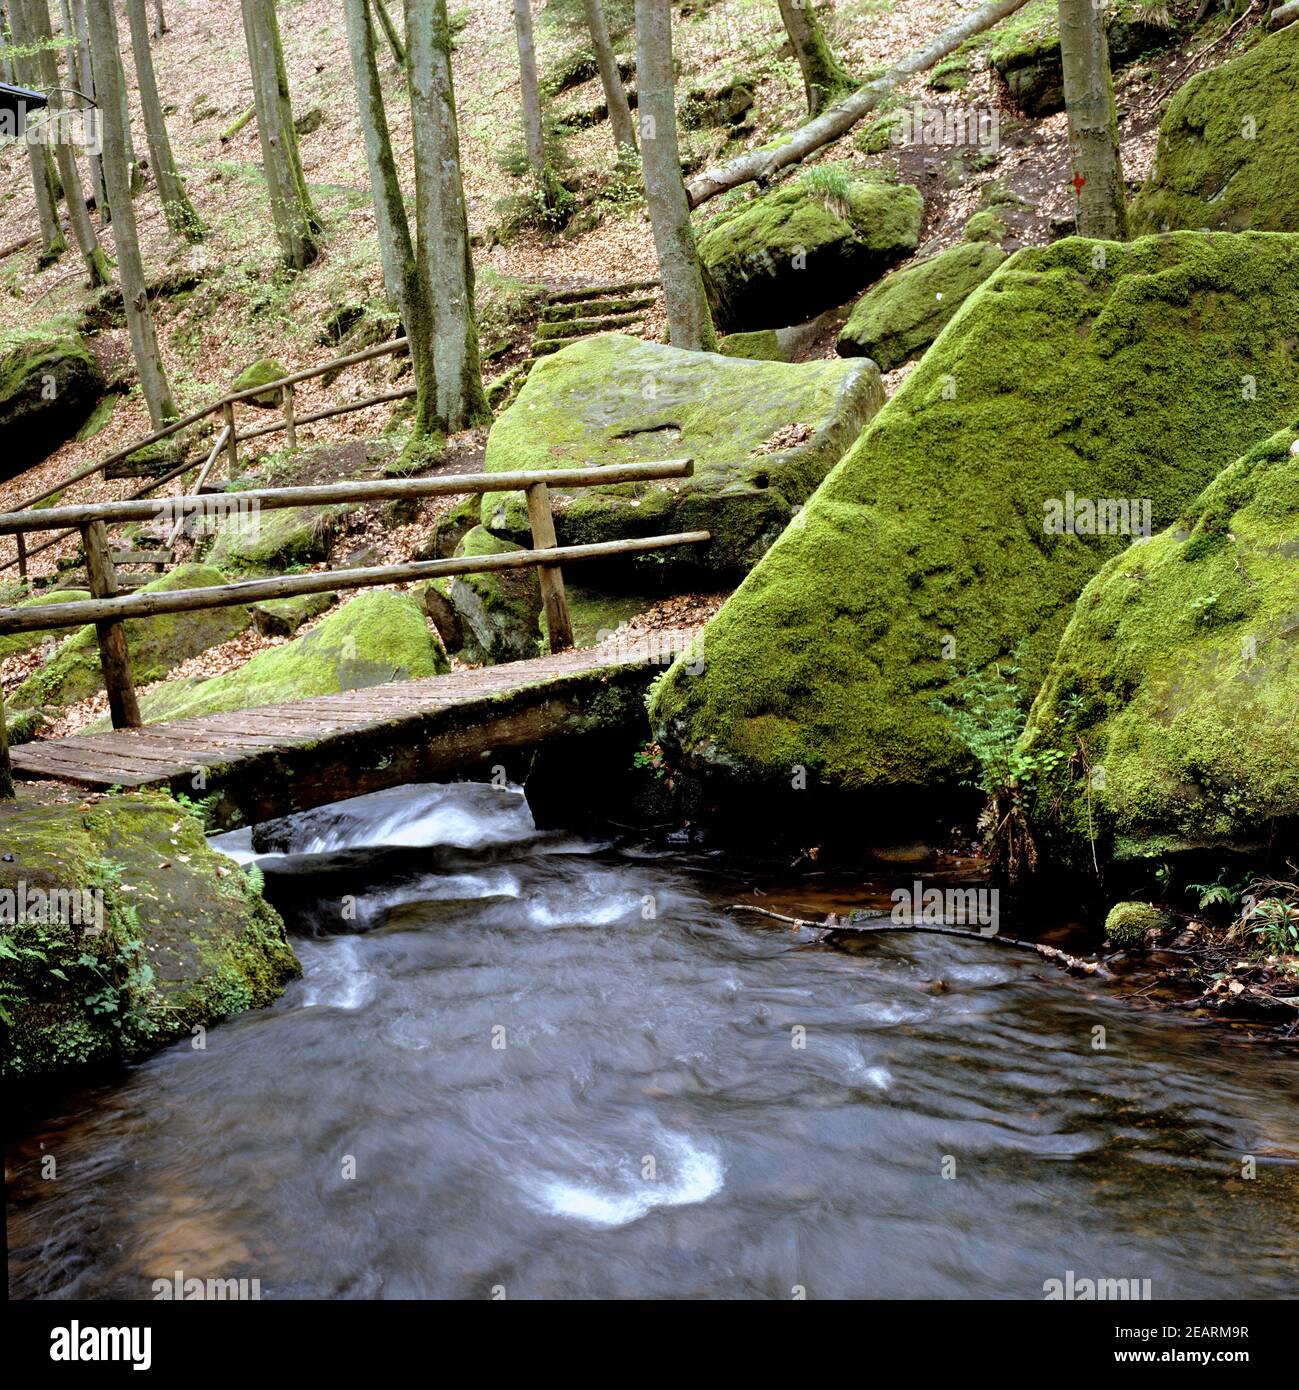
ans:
(152, 933)
(1024, 50)
(260, 373)
(499, 613)
(270, 542)
(926, 553)
(49, 384)
(14, 642)
(794, 251)
(986, 225)
(762, 345)
(1131, 923)
(372, 639)
(1179, 674)
(1226, 154)
(898, 319)
(762, 436)
(156, 645)
(282, 617)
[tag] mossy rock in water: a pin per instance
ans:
(178, 936)
(796, 250)
(898, 319)
(14, 642)
(1129, 924)
(374, 638)
(933, 530)
(499, 611)
(1024, 49)
(49, 384)
(1226, 157)
(259, 373)
(762, 436)
(1179, 673)
(270, 542)
(156, 645)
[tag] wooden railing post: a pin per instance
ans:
(290, 422)
(542, 520)
(22, 556)
(114, 658)
(232, 441)
(6, 768)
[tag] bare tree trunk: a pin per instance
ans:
(1093, 123)
(615, 94)
(443, 334)
(690, 322)
(44, 187)
(32, 26)
(181, 217)
(531, 92)
(760, 165)
(390, 32)
(85, 83)
(110, 81)
(159, 20)
(396, 253)
(823, 74)
(296, 223)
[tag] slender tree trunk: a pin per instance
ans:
(443, 333)
(823, 75)
(7, 792)
(181, 217)
(110, 81)
(615, 94)
(531, 91)
(133, 164)
(32, 18)
(296, 223)
(85, 83)
(1093, 123)
(396, 253)
(690, 322)
(53, 242)
(159, 20)
(390, 32)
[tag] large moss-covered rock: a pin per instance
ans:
(262, 373)
(14, 642)
(49, 384)
(1024, 50)
(152, 932)
(499, 611)
(270, 542)
(1179, 674)
(156, 645)
(898, 319)
(762, 436)
(790, 253)
(926, 552)
(374, 638)
(1227, 147)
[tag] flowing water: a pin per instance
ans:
(525, 1062)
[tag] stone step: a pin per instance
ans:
(602, 291)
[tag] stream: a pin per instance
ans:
(525, 1064)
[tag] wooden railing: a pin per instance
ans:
(108, 609)
(228, 439)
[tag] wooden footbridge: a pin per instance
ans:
(267, 761)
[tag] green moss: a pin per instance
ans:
(762, 346)
(157, 645)
(264, 370)
(13, 642)
(616, 399)
(793, 252)
(898, 319)
(1226, 155)
(499, 611)
(832, 651)
(1128, 924)
(374, 638)
(1180, 677)
(49, 383)
(986, 225)
(99, 418)
(183, 937)
(282, 617)
(275, 541)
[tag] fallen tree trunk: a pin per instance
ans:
(863, 926)
(759, 165)
(1284, 14)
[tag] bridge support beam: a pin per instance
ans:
(542, 520)
(113, 655)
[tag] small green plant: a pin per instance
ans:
(1276, 924)
(202, 810)
(832, 183)
(1219, 893)
(650, 757)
